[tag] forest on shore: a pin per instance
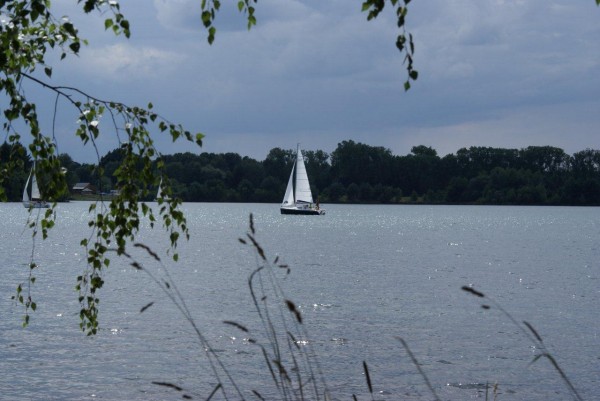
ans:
(360, 173)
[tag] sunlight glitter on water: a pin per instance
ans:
(397, 275)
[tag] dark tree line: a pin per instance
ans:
(360, 173)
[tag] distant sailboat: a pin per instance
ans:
(298, 196)
(159, 191)
(35, 201)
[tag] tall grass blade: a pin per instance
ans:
(292, 307)
(251, 224)
(259, 249)
(368, 377)
(472, 291)
(146, 307)
(147, 249)
(418, 366)
(268, 362)
(535, 333)
(170, 385)
(217, 387)
(237, 325)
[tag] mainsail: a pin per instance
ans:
(303, 193)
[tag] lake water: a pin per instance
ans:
(361, 276)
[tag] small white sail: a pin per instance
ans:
(159, 190)
(25, 194)
(288, 198)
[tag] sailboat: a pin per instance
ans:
(298, 197)
(35, 201)
(159, 191)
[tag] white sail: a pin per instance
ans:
(35, 190)
(25, 194)
(303, 193)
(159, 190)
(288, 198)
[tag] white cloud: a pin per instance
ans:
(123, 62)
(179, 15)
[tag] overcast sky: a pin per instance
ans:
(492, 73)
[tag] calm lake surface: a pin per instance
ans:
(361, 277)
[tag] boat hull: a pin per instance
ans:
(312, 212)
(36, 204)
